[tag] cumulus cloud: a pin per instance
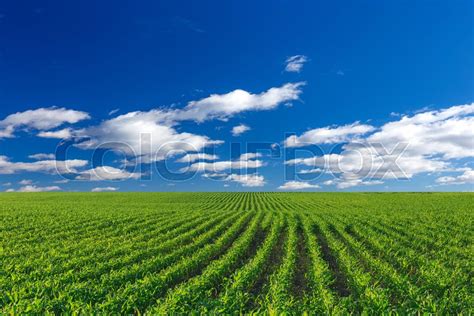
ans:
(429, 141)
(104, 189)
(212, 167)
(60, 134)
(147, 134)
(245, 161)
(359, 161)
(26, 182)
(447, 132)
(45, 166)
(348, 183)
(249, 156)
(42, 156)
(240, 129)
(466, 177)
(222, 106)
(247, 180)
(329, 135)
(153, 135)
(295, 63)
(41, 119)
(297, 185)
(34, 188)
(104, 173)
(311, 171)
(198, 156)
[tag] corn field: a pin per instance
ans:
(236, 253)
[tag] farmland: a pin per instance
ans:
(159, 253)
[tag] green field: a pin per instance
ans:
(159, 253)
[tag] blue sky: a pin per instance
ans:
(366, 78)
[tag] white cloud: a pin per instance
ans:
(40, 119)
(7, 184)
(216, 175)
(112, 112)
(247, 180)
(295, 63)
(61, 181)
(466, 177)
(198, 156)
(240, 129)
(310, 171)
(46, 166)
(60, 134)
(297, 185)
(26, 182)
(215, 167)
(329, 135)
(426, 142)
(42, 156)
(34, 188)
(104, 173)
(222, 106)
(249, 156)
(348, 183)
(245, 161)
(146, 134)
(104, 189)
(367, 162)
(447, 132)
(152, 135)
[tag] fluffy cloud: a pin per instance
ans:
(329, 135)
(222, 106)
(198, 156)
(147, 134)
(212, 167)
(104, 189)
(249, 156)
(104, 173)
(247, 180)
(240, 129)
(42, 156)
(60, 134)
(466, 177)
(245, 161)
(429, 141)
(297, 185)
(40, 119)
(359, 161)
(46, 166)
(347, 183)
(311, 171)
(34, 188)
(295, 63)
(447, 132)
(26, 182)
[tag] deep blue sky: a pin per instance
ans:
(367, 59)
